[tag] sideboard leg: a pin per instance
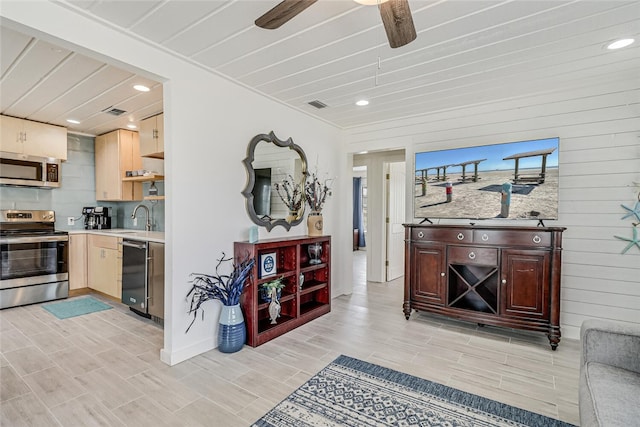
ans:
(554, 337)
(406, 307)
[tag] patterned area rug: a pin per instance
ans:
(75, 307)
(350, 392)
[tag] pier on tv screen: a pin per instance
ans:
(515, 180)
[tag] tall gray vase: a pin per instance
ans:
(232, 332)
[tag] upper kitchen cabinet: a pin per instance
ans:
(152, 137)
(32, 138)
(116, 153)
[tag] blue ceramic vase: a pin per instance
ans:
(232, 333)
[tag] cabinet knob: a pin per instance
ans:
(472, 255)
(485, 237)
(421, 234)
(442, 274)
(460, 236)
(536, 239)
(504, 281)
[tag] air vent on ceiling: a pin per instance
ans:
(113, 111)
(317, 104)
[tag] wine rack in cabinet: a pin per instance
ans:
(304, 265)
(501, 276)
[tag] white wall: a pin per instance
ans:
(209, 122)
(598, 123)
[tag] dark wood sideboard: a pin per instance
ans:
(491, 275)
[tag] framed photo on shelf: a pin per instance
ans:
(268, 265)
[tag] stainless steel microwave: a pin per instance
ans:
(29, 171)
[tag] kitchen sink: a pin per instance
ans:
(120, 231)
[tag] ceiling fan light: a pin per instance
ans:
(370, 2)
(619, 44)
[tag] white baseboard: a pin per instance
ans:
(175, 357)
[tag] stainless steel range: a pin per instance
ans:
(34, 258)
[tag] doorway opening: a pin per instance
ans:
(359, 225)
(383, 181)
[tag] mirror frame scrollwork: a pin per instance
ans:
(251, 180)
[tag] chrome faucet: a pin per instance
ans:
(135, 210)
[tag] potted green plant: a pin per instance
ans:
(227, 288)
(267, 288)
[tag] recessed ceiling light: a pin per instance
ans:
(75, 122)
(141, 88)
(132, 126)
(619, 44)
(362, 103)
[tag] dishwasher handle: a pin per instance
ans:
(134, 244)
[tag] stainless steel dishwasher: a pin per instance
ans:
(134, 275)
(143, 278)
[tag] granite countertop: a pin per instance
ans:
(147, 236)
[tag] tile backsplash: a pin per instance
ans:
(78, 190)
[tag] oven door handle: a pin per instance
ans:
(33, 239)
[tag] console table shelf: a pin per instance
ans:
(307, 287)
(501, 276)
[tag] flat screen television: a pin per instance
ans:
(515, 180)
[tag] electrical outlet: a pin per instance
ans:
(71, 220)
(135, 222)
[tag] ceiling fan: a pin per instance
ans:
(396, 17)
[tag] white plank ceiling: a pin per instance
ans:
(466, 53)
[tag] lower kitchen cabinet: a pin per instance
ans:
(155, 301)
(77, 261)
(104, 264)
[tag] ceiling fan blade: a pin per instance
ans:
(282, 13)
(398, 23)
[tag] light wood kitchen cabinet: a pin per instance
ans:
(32, 138)
(155, 273)
(115, 153)
(104, 262)
(77, 261)
(152, 137)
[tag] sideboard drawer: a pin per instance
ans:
(512, 238)
(471, 255)
(448, 235)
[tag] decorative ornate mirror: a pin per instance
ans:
(276, 173)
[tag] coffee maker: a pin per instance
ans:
(97, 217)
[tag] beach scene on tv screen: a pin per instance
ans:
(516, 180)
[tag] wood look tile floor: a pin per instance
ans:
(103, 369)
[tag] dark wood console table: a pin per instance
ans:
(501, 276)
